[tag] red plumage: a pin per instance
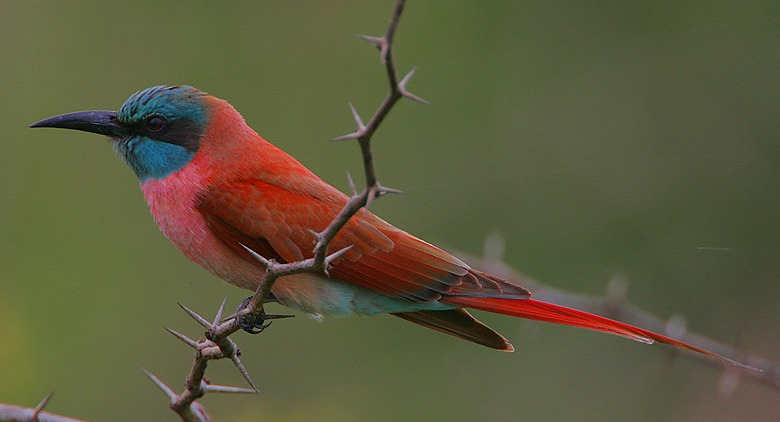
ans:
(215, 187)
(250, 193)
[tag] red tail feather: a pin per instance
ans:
(543, 311)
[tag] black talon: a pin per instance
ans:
(255, 322)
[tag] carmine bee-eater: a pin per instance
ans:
(213, 184)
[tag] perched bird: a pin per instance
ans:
(214, 186)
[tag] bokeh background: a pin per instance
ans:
(597, 138)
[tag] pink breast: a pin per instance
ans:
(173, 201)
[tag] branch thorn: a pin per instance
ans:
(347, 137)
(220, 312)
(372, 194)
(382, 191)
(351, 185)
(188, 341)
(358, 121)
(161, 385)
(336, 255)
(260, 258)
(200, 320)
(277, 316)
(243, 371)
(39, 408)
(317, 236)
(402, 88)
(216, 388)
(361, 127)
(378, 41)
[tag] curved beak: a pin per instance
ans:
(95, 121)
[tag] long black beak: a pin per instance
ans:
(95, 121)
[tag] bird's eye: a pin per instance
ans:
(155, 123)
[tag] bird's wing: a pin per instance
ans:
(276, 221)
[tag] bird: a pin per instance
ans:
(221, 193)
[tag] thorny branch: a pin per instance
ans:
(217, 344)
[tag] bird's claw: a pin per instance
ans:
(253, 325)
(255, 322)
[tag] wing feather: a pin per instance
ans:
(274, 220)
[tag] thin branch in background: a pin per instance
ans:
(217, 344)
(614, 304)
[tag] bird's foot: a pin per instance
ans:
(255, 322)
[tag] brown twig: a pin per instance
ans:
(615, 305)
(217, 344)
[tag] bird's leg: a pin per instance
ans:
(255, 322)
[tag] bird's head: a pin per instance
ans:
(157, 131)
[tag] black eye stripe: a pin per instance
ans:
(182, 132)
(155, 123)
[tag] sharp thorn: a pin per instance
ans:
(414, 98)
(257, 256)
(361, 127)
(188, 341)
(221, 311)
(277, 316)
(200, 411)
(370, 198)
(356, 116)
(384, 191)
(216, 388)
(378, 41)
(402, 88)
(406, 78)
(202, 321)
(351, 184)
(336, 255)
(243, 371)
(161, 385)
(347, 137)
(317, 236)
(39, 408)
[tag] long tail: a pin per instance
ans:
(544, 311)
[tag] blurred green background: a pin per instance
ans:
(640, 139)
